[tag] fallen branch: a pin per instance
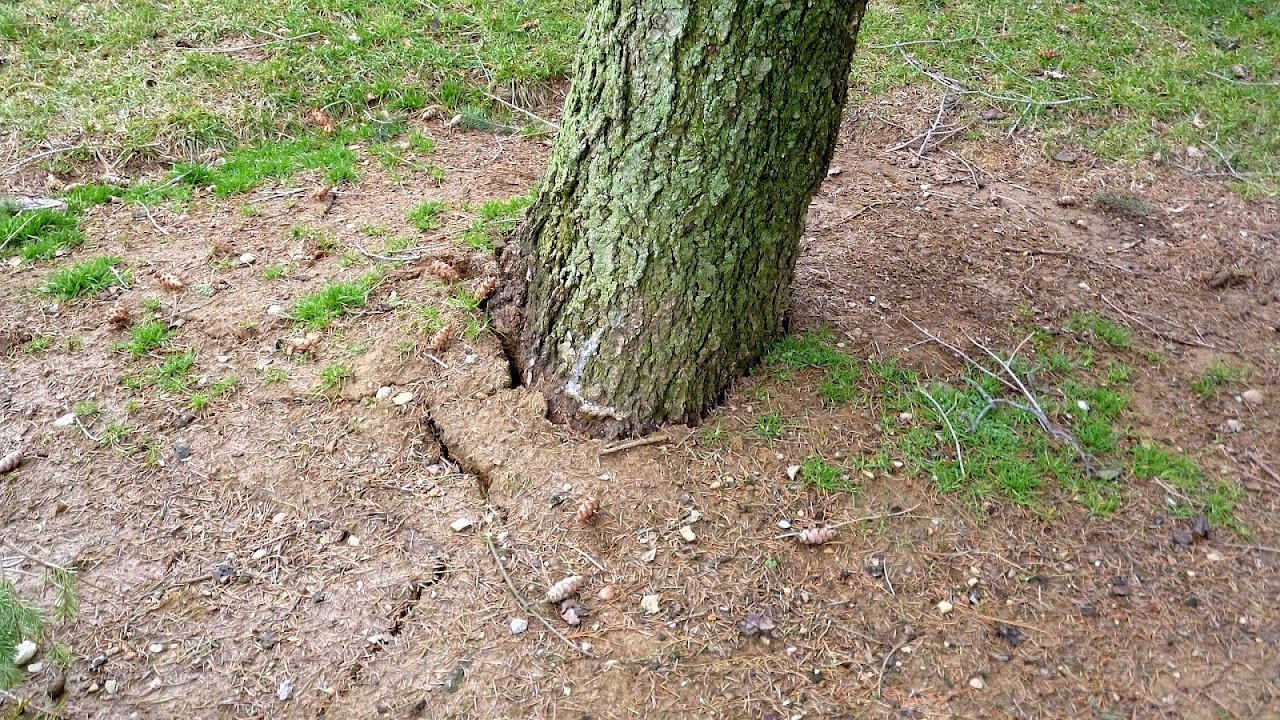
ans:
(651, 440)
(865, 518)
(488, 540)
(1158, 333)
(524, 112)
(1257, 460)
(950, 428)
(385, 258)
(959, 88)
(23, 163)
(884, 666)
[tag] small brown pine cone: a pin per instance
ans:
(440, 340)
(444, 271)
(120, 316)
(484, 288)
(564, 589)
(172, 282)
(816, 535)
(587, 510)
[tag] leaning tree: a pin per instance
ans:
(654, 266)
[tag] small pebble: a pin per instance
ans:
(977, 683)
(519, 625)
(66, 420)
(155, 648)
(259, 553)
(353, 541)
(784, 524)
(607, 593)
(687, 533)
(1214, 556)
(111, 686)
(945, 607)
(1253, 397)
(275, 310)
(35, 667)
(248, 259)
(384, 392)
(461, 524)
(650, 604)
(403, 398)
(285, 691)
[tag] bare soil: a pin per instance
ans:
(290, 538)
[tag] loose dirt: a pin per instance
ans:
(290, 553)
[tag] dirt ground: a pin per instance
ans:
(287, 554)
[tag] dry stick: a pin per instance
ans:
(949, 41)
(255, 45)
(1227, 163)
(1261, 548)
(958, 88)
(884, 666)
(385, 258)
(865, 518)
(23, 163)
(1257, 460)
(1159, 334)
(29, 703)
(522, 111)
(947, 420)
(1244, 82)
(635, 444)
(155, 224)
(937, 120)
(488, 540)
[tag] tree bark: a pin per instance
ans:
(654, 266)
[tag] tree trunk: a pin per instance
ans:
(654, 267)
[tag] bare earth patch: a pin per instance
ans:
(290, 551)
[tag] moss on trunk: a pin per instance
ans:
(654, 266)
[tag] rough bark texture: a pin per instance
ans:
(654, 267)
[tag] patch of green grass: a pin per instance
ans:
(333, 376)
(274, 375)
(428, 215)
(1116, 336)
(172, 374)
(274, 272)
(495, 219)
(247, 167)
(841, 374)
(87, 409)
(37, 345)
(200, 401)
(1148, 76)
(1215, 379)
(714, 435)
(769, 425)
(336, 299)
(84, 278)
(38, 234)
(819, 473)
(145, 337)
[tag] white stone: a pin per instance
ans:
(353, 541)
(285, 691)
(384, 392)
(111, 686)
(519, 625)
(24, 652)
(155, 648)
(35, 667)
(792, 471)
(403, 398)
(977, 683)
(248, 259)
(259, 553)
(461, 524)
(687, 533)
(1253, 397)
(66, 420)
(945, 607)
(275, 310)
(650, 604)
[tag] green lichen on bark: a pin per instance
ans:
(654, 266)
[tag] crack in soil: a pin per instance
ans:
(482, 478)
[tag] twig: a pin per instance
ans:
(154, 224)
(29, 703)
(937, 120)
(23, 163)
(652, 439)
(1243, 82)
(958, 88)
(9, 544)
(947, 420)
(254, 45)
(488, 540)
(948, 41)
(385, 258)
(884, 666)
(277, 194)
(1259, 548)
(1257, 460)
(865, 518)
(1158, 333)
(1067, 254)
(1225, 162)
(1173, 492)
(522, 111)
(438, 361)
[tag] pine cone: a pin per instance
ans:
(440, 340)
(11, 461)
(564, 589)
(444, 271)
(120, 316)
(484, 288)
(587, 510)
(172, 282)
(301, 345)
(816, 535)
